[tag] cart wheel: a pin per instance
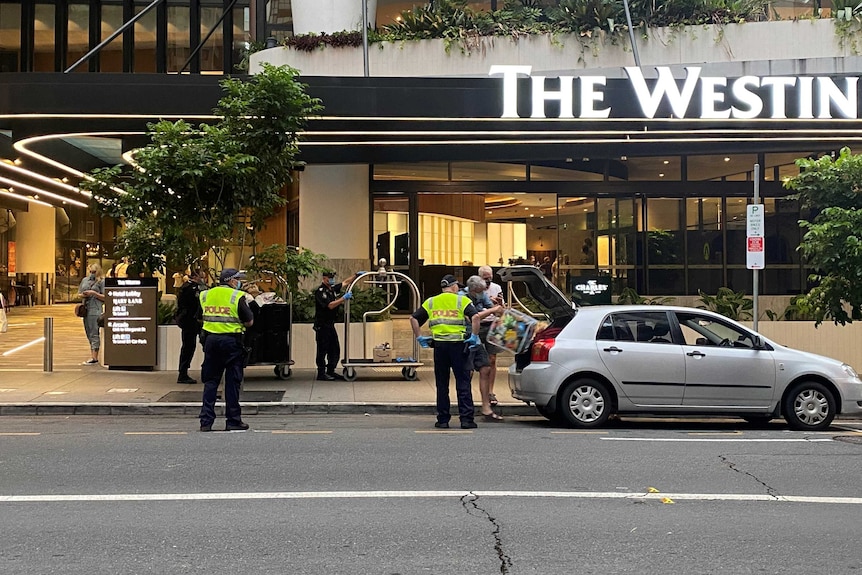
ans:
(404, 372)
(349, 374)
(281, 371)
(410, 374)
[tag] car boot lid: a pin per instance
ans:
(540, 289)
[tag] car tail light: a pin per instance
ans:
(541, 348)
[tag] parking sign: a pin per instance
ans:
(754, 253)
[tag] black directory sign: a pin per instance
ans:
(131, 314)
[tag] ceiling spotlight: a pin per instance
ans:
(727, 159)
(661, 175)
(624, 158)
(666, 162)
(585, 159)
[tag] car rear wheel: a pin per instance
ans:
(809, 406)
(585, 403)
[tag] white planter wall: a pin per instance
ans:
(842, 343)
(733, 50)
(316, 16)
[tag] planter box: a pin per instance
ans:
(303, 348)
(316, 16)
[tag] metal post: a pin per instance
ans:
(754, 282)
(110, 38)
(632, 33)
(48, 346)
(365, 37)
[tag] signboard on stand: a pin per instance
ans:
(754, 251)
(131, 318)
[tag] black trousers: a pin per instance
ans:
(451, 356)
(187, 351)
(223, 355)
(328, 348)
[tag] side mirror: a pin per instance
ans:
(757, 342)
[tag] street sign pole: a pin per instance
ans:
(754, 280)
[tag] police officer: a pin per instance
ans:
(188, 318)
(326, 313)
(445, 314)
(226, 315)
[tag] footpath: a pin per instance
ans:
(94, 390)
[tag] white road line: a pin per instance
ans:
(120, 497)
(715, 440)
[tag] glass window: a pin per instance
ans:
(568, 172)
(654, 169)
(704, 231)
(665, 245)
(241, 33)
(111, 56)
(78, 42)
(145, 40)
(488, 171)
(212, 56)
(730, 167)
(44, 30)
(736, 230)
(10, 37)
(642, 327)
(435, 171)
(698, 329)
(178, 37)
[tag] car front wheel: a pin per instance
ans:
(809, 406)
(585, 403)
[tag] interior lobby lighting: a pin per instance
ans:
(666, 162)
(61, 183)
(25, 346)
(37, 191)
(726, 159)
(661, 175)
(26, 199)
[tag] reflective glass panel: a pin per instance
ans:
(10, 37)
(79, 35)
(44, 30)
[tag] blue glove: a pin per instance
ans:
(473, 341)
(348, 295)
(424, 340)
(360, 274)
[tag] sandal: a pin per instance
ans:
(493, 399)
(492, 417)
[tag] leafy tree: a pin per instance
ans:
(196, 190)
(832, 245)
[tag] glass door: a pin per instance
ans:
(617, 224)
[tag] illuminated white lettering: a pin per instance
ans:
(709, 97)
(589, 95)
(564, 95)
(845, 102)
(510, 86)
(665, 86)
(752, 101)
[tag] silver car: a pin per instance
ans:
(592, 362)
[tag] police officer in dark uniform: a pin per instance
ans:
(189, 318)
(326, 312)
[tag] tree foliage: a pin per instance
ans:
(831, 246)
(200, 189)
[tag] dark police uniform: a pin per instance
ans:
(448, 313)
(224, 313)
(328, 348)
(189, 319)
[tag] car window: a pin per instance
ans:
(644, 327)
(700, 329)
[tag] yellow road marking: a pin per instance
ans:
(19, 433)
(156, 433)
(297, 432)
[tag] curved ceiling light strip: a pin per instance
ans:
(19, 197)
(43, 178)
(36, 190)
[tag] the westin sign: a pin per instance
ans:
(694, 97)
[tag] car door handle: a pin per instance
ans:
(696, 354)
(613, 348)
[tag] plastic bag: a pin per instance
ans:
(513, 331)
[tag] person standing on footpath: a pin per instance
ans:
(326, 313)
(92, 291)
(495, 294)
(478, 360)
(189, 318)
(226, 315)
(446, 315)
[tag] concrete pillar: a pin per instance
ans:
(334, 213)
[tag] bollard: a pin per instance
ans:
(48, 347)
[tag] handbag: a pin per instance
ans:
(80, 310)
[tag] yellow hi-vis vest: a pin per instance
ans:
(220, 306)
(446, 316)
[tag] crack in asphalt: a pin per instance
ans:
(469, 503)
(769, 490)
